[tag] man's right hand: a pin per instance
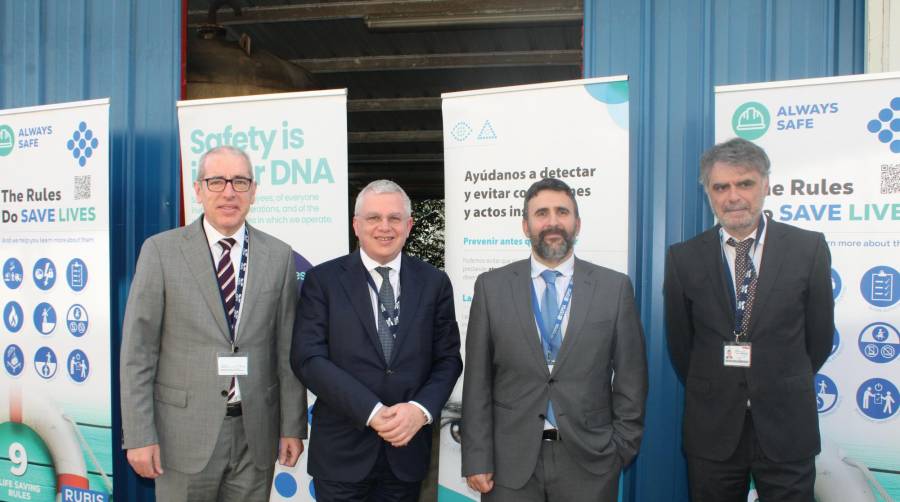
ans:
(481, 483)
(145, 461)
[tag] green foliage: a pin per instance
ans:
(426, 241)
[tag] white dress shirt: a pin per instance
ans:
(566, 269)
(213, 237)
(394, 277)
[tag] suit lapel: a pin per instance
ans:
(582, 294)
(410, 299)
(520, 284)
(772, 258)
(256, 271)
(354, 282)
(711, 257)
(195, 250)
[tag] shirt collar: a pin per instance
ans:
(213, 236)
(760, 236)
(371, 264)
(566, 268)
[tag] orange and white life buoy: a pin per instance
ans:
(58, 434)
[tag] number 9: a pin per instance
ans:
(19, 458)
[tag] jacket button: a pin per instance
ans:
(389, 372)
(551, 381)
(224, 393)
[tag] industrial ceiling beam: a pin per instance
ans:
(393, 104)
(564, 57)
(407, 13)
(395, 136)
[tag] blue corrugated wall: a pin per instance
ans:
(675, 51)
(53, 51)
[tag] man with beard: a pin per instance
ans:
(748, 283)
(556, 374)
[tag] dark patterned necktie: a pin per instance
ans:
(386, 301)
(744, 278)
(227, 282)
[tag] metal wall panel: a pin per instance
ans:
(675, 51)
(54, 51)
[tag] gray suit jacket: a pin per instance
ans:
(507, 382)
(174, 328)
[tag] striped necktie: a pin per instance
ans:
(227, 283)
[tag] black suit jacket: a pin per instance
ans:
(337, 354)
(791, 332)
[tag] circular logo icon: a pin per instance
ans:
(44, 274)
(44, 318)
(13, 273)
(7, 140)
(880, 286)
(13, 360)
(751, 120)
(77, 274)
(285, 485)
(877, 398)
(836, 284)
(879, 342)
(835, 342)
(45, 362)
(77, 320)
(13, 317)
(826, 393)
(77, 366)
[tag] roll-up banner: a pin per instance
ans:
(834, 144)
(497, 142)
(297, 143)
(55, 416)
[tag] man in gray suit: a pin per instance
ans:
(207, 388)
(556, 374)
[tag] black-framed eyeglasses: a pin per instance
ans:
(238, 183)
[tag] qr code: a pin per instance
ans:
(82, 187)
(890, 178)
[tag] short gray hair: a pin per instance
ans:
(382, 186)
(735, 152)
(223, 150)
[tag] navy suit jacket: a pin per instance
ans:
(337, 354)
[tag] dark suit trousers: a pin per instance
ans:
(379, 486)
(729, 480)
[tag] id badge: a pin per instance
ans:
(737, 354)
(233, 363)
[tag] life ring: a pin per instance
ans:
(58, 434)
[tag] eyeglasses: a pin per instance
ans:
(238, 183)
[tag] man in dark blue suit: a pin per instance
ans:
(375, 338)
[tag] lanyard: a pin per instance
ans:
(392, 319)
(739, 296)
(239, 290)
(548, 339)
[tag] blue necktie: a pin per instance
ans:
(549, 312)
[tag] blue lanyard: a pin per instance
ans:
(392, 319)
(547, 339)
(242, 278)
(739, 297)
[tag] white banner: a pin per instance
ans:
(835, 150)
(55, 417)
(297, 143)
(497, 142)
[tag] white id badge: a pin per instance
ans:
(233, 364)
(737, 354)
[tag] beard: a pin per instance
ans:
(552, 252)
